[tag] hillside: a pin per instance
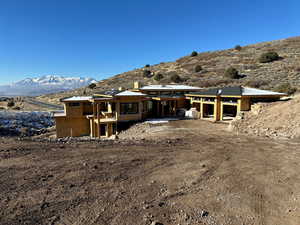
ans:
(261, 75)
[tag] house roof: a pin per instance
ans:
(238, 91)
(119, 93)
(76, 99)
(170, 87)
(130, 93)
(254, 91)
(112, 92)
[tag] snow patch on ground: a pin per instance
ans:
(160, 120)
(24, 123)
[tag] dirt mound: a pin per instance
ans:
(143, 131)
(278, 119)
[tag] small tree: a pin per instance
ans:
(238, 48)
(147, 65)
(231, 73)
(268, 57)
(176, 78)
(92, 85)
(194, 53)
(286, 88)
(158, 77)
(256, 83)
(297, 69)
(147, 73)
(10, 103)
(198, 68)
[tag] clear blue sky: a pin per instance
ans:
(100, 38)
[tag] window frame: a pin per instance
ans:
(74, 104)
(126, 108)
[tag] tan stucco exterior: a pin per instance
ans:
(99, 116)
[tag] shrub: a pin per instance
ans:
(297, 69)
(147, 65)
(255, 83)
(238, 48)
(158, 77)
(198, 68)
(16, 108)
(147, 73)
(194, 53)
(92, 85)
(268, 57)
(11, 103)
(286, 88)
(231, 73)
(176, 78)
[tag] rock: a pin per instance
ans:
(156, 223)
(161, 204)
(44, 205)
(204, 213)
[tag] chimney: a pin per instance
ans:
(136, 85)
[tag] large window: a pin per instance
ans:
(152, 93)
(129, 108)
(104, 106)
(74, 104)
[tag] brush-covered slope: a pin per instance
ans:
(213, 64)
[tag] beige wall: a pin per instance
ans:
(84, 108)
(245, 104)
(72, 127)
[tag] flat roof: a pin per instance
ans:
(254, 91)
(130, 93)
(170, 87)
(76, 99)
(237, 91)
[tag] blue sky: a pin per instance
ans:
(99, 38)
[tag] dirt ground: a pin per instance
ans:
(190, 172)
(280, 119)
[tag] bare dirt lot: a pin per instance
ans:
(191, 172)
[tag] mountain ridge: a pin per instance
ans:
(46, 84)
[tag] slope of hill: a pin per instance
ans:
(44, 85)
(245, 60)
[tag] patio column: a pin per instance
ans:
(98, 120)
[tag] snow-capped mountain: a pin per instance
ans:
(44, 85)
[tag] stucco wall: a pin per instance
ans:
(72, 127)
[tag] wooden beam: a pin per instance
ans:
(98, 119)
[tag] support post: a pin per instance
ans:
(98, 119)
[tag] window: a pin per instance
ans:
(104, 106)
(179, 93)
(87, 108)
(153, 93)
(209, 99)
(129, 108)
(166, 93)
(113, 106)
(74, 104)
(230, 100)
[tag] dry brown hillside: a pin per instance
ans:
(261, 75)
